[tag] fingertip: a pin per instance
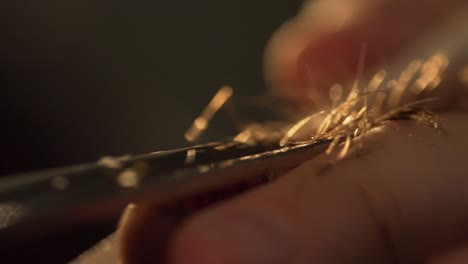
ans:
(280, 59)
(303, 69)
(286, 72)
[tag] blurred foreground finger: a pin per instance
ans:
(323, 44)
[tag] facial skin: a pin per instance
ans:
(404, 200)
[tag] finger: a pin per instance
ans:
(142, 233)
(455, 256)
(323, 44)
(401, 201)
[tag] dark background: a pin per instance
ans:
(85, 78)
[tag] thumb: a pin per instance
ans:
(361, 210)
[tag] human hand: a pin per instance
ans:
(403, 201)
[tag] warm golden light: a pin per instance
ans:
(243, 137)
(294, 129)
(377, 81)
(129, 178)
(365, 108)
(201, 123)
(431, 73)
(345, 149)
(191, 155)
(400, 86)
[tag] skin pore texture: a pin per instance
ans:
(402, 198)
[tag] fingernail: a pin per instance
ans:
(240, 237)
